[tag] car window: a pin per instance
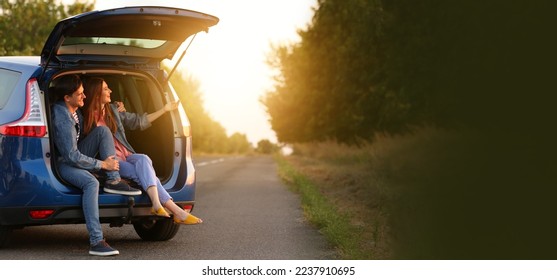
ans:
(8, 80)
(131, 42)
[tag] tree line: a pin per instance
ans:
(26, 24)
(364, 67)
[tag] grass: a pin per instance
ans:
(434, 194)
(319, 210)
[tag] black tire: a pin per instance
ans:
(5, 235)
(156, 230)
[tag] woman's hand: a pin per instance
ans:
(167, 108)
(173, 105)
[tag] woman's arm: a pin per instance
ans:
(135, 121)
(173, 105)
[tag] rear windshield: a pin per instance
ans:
(132, 42)
(8, 81)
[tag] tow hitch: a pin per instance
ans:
(128, 218)
(131, 204)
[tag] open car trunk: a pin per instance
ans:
(126, 46)
(141, 94)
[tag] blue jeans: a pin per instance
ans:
(139, 168)
(99, 141)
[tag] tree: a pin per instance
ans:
(326, 87)
(384, 66)
(238, 144)
(26, 24)
(266, 147)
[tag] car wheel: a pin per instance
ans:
(5, 234)
(156, 230)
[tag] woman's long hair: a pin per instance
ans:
(93, 88)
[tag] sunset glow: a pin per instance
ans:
(229, 61)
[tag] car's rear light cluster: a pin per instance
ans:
(26, 130)
(40, 214)
(32, 124)
(188, 207)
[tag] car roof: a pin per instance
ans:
(25, 60)
(29, 66)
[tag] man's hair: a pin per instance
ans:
(66, 85)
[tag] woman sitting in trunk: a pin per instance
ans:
(138, 167)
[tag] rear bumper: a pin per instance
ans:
(116, 215)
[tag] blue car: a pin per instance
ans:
(125, 47)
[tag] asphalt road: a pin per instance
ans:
(248, 213)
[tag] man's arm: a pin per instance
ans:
(65, 139)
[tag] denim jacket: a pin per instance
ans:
(131, 121)
(65, 138)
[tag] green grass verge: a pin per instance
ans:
(331, 222)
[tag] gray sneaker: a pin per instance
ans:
(120, 187)
(102, 249)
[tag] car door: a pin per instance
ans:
(128, 36)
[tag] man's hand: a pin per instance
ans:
(120, 105)
(110, 164)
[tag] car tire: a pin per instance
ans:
(156, 230)
(5, 235)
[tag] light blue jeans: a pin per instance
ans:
(99, 141)
(139, 168)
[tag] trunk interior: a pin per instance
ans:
(140, 94)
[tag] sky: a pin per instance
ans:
(229, 60)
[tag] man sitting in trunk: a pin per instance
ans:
(77, 157)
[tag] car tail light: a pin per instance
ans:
(32, 124)
(188, 207)
(40, 214)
